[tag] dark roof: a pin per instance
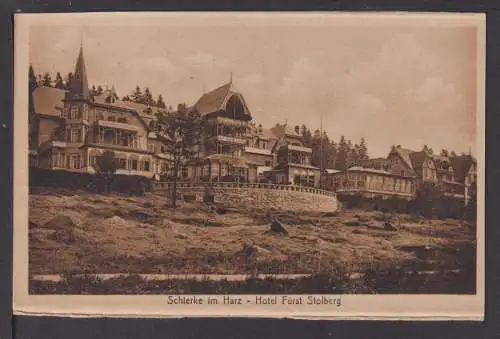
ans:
(216, 100)
(284, 130)
(418, 159)
(48, 100)
(405, 154)
(212, 101)
(442, 162)
(462, 164)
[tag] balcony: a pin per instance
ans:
(299, 148)
(118, 125)
(229, 139)
(52, 143)
(254, 150)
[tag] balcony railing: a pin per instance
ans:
(161, 185)
(229, 139)
(117, 125)
(52, 143)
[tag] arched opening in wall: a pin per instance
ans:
(109, 136)
(235, 108)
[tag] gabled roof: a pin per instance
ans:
(48, 100)
(442, 162)
(418, 159)
(462, 164)
(405, 155)
(285, 130)
(216, 100)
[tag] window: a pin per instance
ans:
(162, 148)
(111, 118)
(100, 116)
(220, 149)
(146, 166)
(122, 120)
(134, 165)
(184, 172)
(268, 163)
(74, 135)
(58, 160)
(85, 109)
(74, 112)
(75, 161)
(93, 160)
(123, 163)
(151, 147)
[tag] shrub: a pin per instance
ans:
(127, 184)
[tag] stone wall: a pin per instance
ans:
(269, 196)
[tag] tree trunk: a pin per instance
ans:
(174, 194)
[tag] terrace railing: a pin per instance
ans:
(162, 185)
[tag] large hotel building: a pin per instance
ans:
(70, 128)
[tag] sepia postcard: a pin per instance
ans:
(299, 165)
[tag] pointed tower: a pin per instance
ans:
(79, 87)
(78, 97)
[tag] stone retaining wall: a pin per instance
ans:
(268, 196)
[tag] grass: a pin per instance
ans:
(122, 234)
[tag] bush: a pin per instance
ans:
(127, 184)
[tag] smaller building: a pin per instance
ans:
(372, 183)
(293, 159)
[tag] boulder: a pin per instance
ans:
(142, 216)
(389, 226)
(59, 222)
(65, 236)
(277, 228)
(330, 214)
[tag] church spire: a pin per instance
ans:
(79, 87)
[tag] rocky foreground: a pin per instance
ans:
(76, 232)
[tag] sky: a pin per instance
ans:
(409, 84)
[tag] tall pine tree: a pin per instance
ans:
(342, 153)
(363, 150)
(137, 96)
(148, 98)
(160, 103)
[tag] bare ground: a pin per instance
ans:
(120, 234)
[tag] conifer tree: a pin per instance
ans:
(69, 80)
(59, 83)
(160, 103)
(47, 80)
(137, 96)
(148, 97)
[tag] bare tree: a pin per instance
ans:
(180, 132)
